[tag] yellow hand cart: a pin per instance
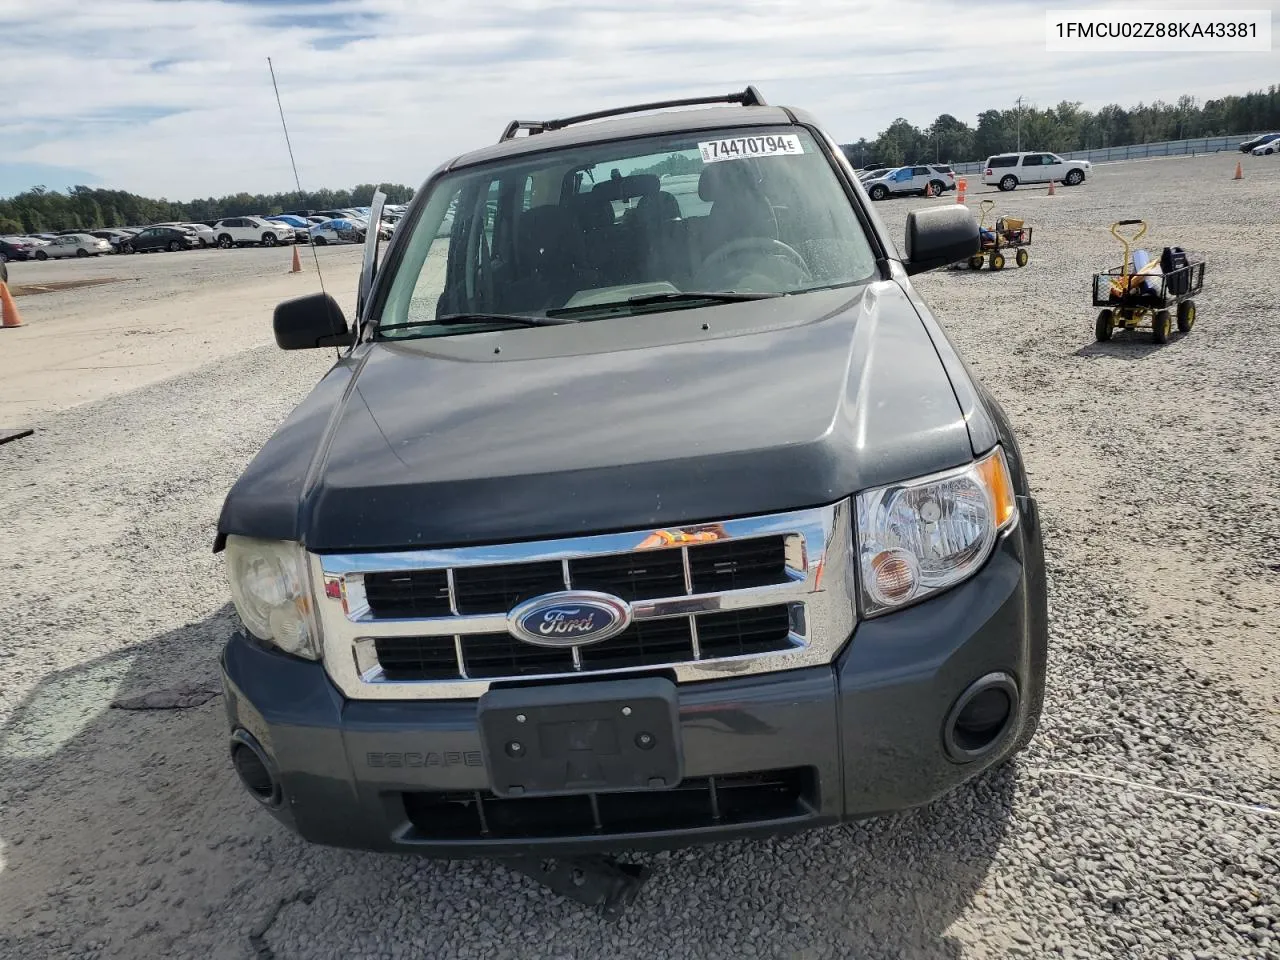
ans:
(1139, 294)
(1008, 233)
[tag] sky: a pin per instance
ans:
(173, 98)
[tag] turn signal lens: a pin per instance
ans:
(994, 473)
(894, 577)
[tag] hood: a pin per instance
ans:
(608, 425)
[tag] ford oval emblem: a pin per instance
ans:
(573, 618)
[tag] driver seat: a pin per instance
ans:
(738, 206)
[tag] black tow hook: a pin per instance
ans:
(596, 881)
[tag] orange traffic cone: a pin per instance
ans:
(928, 189)
(8, 309)
(1051, 188)
(297, 262)
(960, 186)
(1239, 172)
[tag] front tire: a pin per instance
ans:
(82, 252)
(975, 262)
(41, 255)
(173, 246)
(1161, 324)
(269, 240)
(225, 241)
(1074, 178)
(320, 241)
(1021, 257)
(879, 191)
(1105, 326)
(1008, 183)
(997, 261)
(938, 187)
(1186, 316)
(126, 248)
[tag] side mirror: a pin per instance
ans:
(940, 236)
(315, 320)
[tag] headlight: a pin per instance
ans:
(269, 586)
(923, 536)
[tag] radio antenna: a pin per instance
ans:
(297, 182)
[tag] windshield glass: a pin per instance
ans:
(754, 211)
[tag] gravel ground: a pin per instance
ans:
(151, 317)
(124, 834)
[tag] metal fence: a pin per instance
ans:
(1136, 151)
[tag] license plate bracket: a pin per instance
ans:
(607, 736)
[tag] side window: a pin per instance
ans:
(1033, 160)
(920, 171)
(1002, 162)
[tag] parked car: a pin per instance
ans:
(909, 181)
(1267, 148)
(384, 229)
(73, 245)
(1252, 144)
(339, 230)
(555, 642)
(300, 226)
(873, 173)
(153, 239)
(202, 231)
(347, 213)
(17, 248)
(947, 172)
(1010, 170)
(115, 237)
(246, 231)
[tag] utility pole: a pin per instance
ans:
(1018, 114)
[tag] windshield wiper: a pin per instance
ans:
(657, 298)
(479, 319)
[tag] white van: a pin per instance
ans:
(1008, 170)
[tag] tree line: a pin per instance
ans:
(39, 210)
(1067, 127)
(1061, 129)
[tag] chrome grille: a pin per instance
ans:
(644, 575)
(645, 643)
(736, 597)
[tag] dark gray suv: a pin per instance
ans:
(646, 504)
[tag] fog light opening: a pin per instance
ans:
(255, 770)
(981, 717)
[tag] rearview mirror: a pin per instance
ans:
(315, 320)
(940, 236)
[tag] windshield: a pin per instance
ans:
(654, 220)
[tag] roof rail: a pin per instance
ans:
(515, 126)
(749, 97)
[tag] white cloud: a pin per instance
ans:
(173, 97)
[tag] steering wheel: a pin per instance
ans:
(766, 246)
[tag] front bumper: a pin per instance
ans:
(763, 754)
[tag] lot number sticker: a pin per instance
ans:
(739, 148)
